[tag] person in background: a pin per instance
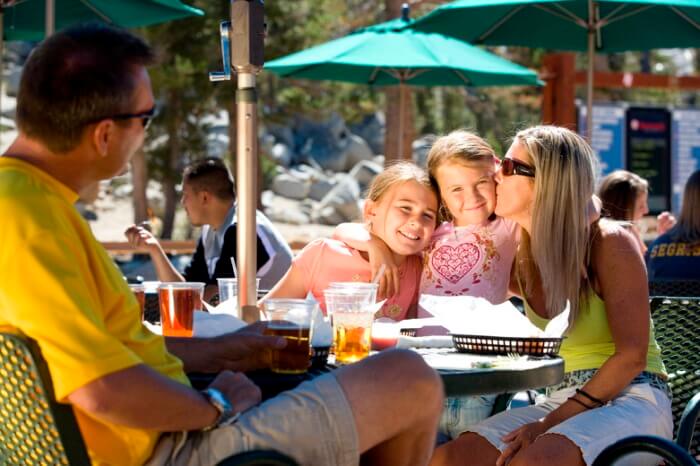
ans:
(208, 196)
(675, 255)
(625, 197)
(614, 383)
(84, 103)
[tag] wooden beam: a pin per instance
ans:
(611, 80)
(169, 246)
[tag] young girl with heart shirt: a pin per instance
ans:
(472, 251)
(401, 211)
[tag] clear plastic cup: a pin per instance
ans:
(369, 288)
(140, 292)
(352, 322)
(228, 288)
(291, 319)
(178, 301)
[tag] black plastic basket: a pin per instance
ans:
(319, 356)
(482, 344)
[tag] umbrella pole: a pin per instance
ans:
(402, 109)
(589, 80)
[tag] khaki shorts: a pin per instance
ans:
(639, 410)
(313, 424)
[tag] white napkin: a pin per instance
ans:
(212, 325)
(207, 325)
(436, 341)
(468, 315)
(322, 332)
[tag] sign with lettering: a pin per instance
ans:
(685, 151)
(648, 142)
(608, 138)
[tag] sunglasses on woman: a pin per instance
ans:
(510, 167)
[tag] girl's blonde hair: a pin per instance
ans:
(462, 147)
(688, 228)
(395, 174)
(565, 167)
(619, 192)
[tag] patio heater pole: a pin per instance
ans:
(242, 49)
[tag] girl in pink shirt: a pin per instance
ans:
(401, 210)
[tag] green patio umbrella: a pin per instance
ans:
(30, 19)
(391, 53)
(581, 25)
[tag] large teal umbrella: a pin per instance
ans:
(27, 19)
(590, 25)
(391, 53)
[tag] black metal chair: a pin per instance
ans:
(677, 326)
(672, 453)
(37, 430)
(683, 288)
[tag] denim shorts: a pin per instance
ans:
(312, 423)
(460, 413)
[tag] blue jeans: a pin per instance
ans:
(459, 413)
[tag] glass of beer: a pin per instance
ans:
(291, 319)
(178, 301)
(352, 323)
(140, 292)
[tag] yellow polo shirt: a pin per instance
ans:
(61, 288)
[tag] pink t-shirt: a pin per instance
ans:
(474, 260)
(326, 260)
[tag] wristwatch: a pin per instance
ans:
(219, 401)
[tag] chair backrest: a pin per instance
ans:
(684, 288)
(34, 428)
(677, 329)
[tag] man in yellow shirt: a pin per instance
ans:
(84, 104)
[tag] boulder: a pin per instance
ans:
(357, 150)
(289, 186)
(372, 129)
(364, 172)
(344, 198)
(320, 188)
(282, 154)
(421, 147)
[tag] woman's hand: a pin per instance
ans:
(519, 439)
(379, 253)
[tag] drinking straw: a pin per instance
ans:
(233, 266)
(379, 275)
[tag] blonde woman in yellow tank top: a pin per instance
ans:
(615, 379)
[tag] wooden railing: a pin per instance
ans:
(170, 247)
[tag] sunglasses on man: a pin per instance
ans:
(510, 167)
(146, 117)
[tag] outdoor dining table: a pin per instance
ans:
(470, 374)
(461, 373)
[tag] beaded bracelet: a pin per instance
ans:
(573, 398)
(598, 401)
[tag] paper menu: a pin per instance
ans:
(468, 315)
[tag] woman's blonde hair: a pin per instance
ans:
(619, 192)
(462, 147)
(565, 167)
(395, 174)
(688, 228)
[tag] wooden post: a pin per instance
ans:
(559, 74)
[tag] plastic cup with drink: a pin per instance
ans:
(291, 319)
(352, 320)
(178, 301)
(228, 294)
(140, 293)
